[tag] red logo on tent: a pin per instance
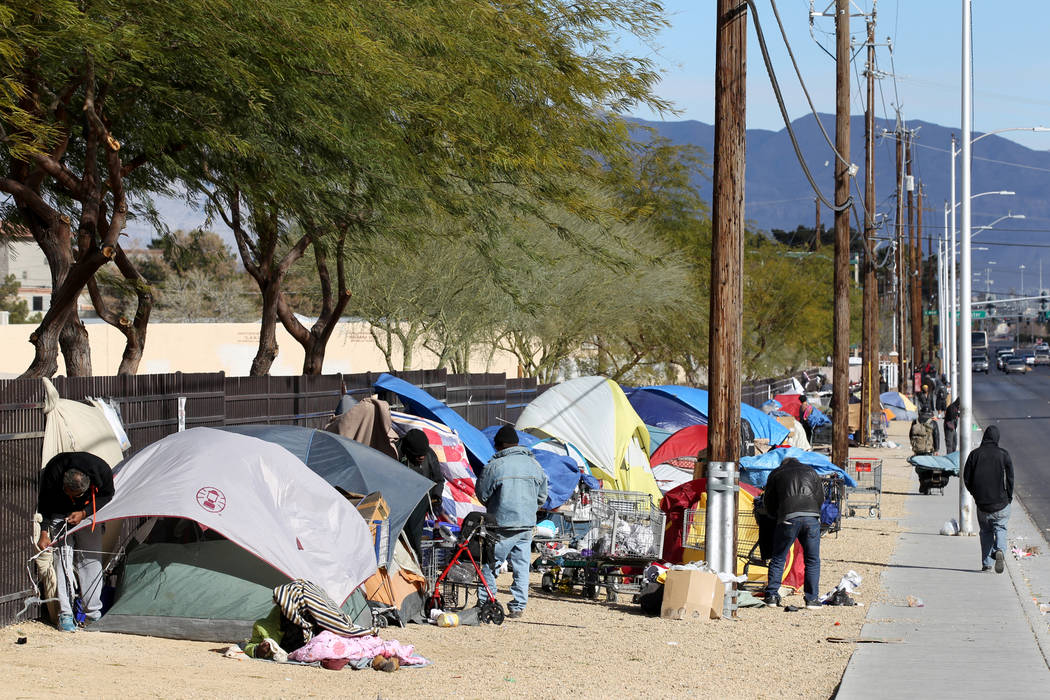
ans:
(211, 499)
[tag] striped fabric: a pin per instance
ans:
(307, 606)
(458, 498)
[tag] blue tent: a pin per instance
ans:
(562, 472)
(763, 426)
(420, 403)
(755, 470)
(663, 411)
(657, 436)
(352, 467)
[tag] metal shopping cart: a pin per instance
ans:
(626, 532)
(694, 533)
(834, 502)
(867, 472)
(452, 568)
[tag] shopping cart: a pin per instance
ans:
(694, 533)
(867, 473)
(626, 532)
(453, 571)
(834, 502)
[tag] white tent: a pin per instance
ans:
(595, 417)
(254, 493)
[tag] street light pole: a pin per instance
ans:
(966, 504)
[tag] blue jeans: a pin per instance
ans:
(993, 533)
(807, 531)
(515, 547)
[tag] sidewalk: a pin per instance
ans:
(978, 635)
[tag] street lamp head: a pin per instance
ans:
(1015, 216)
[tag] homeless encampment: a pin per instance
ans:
(228, 518)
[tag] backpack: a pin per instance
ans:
(921, 438)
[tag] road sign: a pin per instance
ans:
(978, 314)
(929, 312)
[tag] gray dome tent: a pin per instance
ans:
(352, 467)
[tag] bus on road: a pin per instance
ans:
(979, 341)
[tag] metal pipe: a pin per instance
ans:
(966, 505)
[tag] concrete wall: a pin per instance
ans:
(24, 259)
(228, 347)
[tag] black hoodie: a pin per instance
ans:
(989, 474)
(53, 500)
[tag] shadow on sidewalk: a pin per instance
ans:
(900, 566)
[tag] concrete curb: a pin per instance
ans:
(1024, 528)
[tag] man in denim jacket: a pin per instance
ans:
(512, 487)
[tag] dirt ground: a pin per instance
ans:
(563, 645)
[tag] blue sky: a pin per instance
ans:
(1011, 68)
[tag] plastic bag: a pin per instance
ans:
(950, 527)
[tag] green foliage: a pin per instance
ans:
(11, 302)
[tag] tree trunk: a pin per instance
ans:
(267, 351)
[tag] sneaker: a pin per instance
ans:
(814, 605)
(66, 623)
(772, 600)
(1000, 561)
(515, 614)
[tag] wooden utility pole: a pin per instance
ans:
(727, 246)
(840, 350)
(816, 229)
(914, 277)
(869, 386)
(898, 262)
(932, 339)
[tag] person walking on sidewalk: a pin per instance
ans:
(794, 494)
(989, 477)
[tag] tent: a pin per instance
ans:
(762, 425)
(687, 442)
(234, 516)
(457, 499)
(755, 470)
(789, 404)
(351, 467)
(420, 403)
(693, 495)
(593, 415)
(656, 435)
(563, 473)
(662, 411)
(903, 408)
(670, 475)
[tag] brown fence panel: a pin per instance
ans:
(480, 398)
(519, 393)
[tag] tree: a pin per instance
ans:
(12, 303)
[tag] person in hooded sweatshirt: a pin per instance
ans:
(989, 477)
(414, 452)
(512, 487)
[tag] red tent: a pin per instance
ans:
(676, 501)
(687, 442)
(788, 403)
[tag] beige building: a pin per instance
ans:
(228, 347)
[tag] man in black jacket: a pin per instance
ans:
(415, 453)
(74, 486)
(793, 496)
(989, 477)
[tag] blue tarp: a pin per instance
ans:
(755, 470)
(562, 472)
(763, 426)
(420, 403)
(657, 436)
(948, 462)
(662, 411)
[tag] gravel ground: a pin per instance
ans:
(562, 645)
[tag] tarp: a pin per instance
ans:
(671, 475)
(948, 462)
(687, 442)
(895, 399)
(419, 403)
(256, 494)
(73, 426)
(796, 433)
(457, 498)
(789, 404)
(663, 411)
(762, 425)
(352, 467)
(755, 470)
(366, 421)
(563, 473)
(593, 414)
(693, 494)
(656, 435)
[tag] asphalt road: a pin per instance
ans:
(1020, 406)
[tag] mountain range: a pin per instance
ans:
(778, 195)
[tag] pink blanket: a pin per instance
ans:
(331, 646)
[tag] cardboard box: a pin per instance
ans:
(374, 509)
(692, 595)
